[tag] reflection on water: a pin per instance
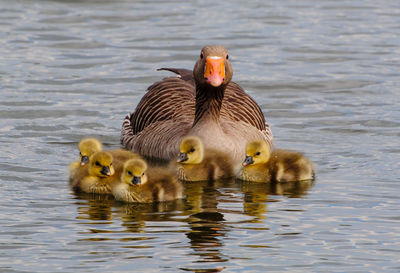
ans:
(97, 207)
(256, 195)
(134, 216)
(205, 225)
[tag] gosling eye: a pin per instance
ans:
(142, 174)
(201, 55)
(227, 56)
(191, 150)
(130, 173)
(98, 164)
(258, 153)
(111, 164)
(80, 154)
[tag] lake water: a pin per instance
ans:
(325, 73)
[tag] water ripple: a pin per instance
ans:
(324, 73)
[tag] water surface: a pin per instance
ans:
(325, 73)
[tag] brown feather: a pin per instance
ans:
(184, 74)
(166, 113)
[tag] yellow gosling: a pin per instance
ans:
(99, 175)
(262, 165)
(73, 170)
(89, 146)
(146, 185)
(194, 163)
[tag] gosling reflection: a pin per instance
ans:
(292, 190)
(94, 206)
(256, 195)
(207, 223)
(135, 215)
(255, 200)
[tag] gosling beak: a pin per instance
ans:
(248, 160)
(136, 180)
(214, 72)
(84, 160)
(106, 171)
(182, 157)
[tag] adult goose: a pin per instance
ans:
(205, 103)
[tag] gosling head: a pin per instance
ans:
(134, 173)
(257, 152)
(100, 164)
(87, 147)
(191, 151)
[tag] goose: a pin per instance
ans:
(205, 103)
(194, 163)
(142, 184)
(262, 165)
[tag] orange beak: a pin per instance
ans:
(215, 71)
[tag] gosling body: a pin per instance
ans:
(194, 163)
(89, 146)
(140, 184)
(262, 165)
(99, 175)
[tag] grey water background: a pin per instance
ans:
(326, 74)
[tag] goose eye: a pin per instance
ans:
(191, 150)
(130, 173)
(258, 153)
(98, 164)
(201, 55)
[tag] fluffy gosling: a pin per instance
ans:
(262, 165)
(144, 185)
(194, 163)
(99, 176)
(89, 146)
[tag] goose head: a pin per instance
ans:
(87, 147)
(257, 152)
(134, 173)
(100, 164)
(213, 67)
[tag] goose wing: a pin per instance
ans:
(237, 104)
(173, 99)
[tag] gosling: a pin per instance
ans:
(262, 165)
(89, 146)
(144, 185)
(99, 175)
(194, 163)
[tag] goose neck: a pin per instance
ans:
(208, 103)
